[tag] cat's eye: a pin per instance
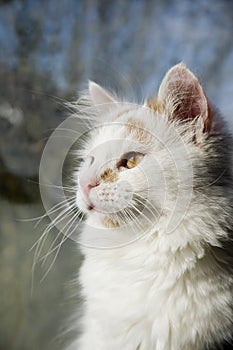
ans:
(130, 160)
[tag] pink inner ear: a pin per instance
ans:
(183, 96)
(189, 99)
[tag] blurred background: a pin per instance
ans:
(48, 51)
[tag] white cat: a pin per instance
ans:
(156, 186)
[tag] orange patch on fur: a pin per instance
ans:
(132, 123)
(155, 105)
(109, 176)
(110, 223)
(136, 129)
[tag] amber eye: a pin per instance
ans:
(130, 160)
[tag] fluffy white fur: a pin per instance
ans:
(165, 290)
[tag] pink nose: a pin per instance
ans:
(90, 186)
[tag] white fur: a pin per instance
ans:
(162, 291)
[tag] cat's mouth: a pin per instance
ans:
(108, 198)
(90, 207)
(117, 205)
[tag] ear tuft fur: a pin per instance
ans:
(183, 97)
(101, 98)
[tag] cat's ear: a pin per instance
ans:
(182, 96)
(101, 98)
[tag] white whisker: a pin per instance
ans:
(63, 231)
(58, 247)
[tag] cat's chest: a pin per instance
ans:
(134, 296)
(131, 280)
(141, 268)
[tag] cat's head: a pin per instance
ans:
(137, 166)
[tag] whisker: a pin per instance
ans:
(141, 213)
(133, 219)
(67, 188)
(67, 211)
(58, 247)
(146, 205)
(55, 208)
(41, 241)
(61, 231)
(44, 215)
(126, 218)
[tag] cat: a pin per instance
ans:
(155, 184)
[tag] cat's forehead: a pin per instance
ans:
(135, 112)
(123, 123)
(128, 126)
(135, 128)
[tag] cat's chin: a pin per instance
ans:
(104, 232)
(109, 222)
(104, 220)
(105, 210)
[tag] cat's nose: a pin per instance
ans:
(90, 186)
(86, 186)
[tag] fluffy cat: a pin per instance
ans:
(156, 186)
